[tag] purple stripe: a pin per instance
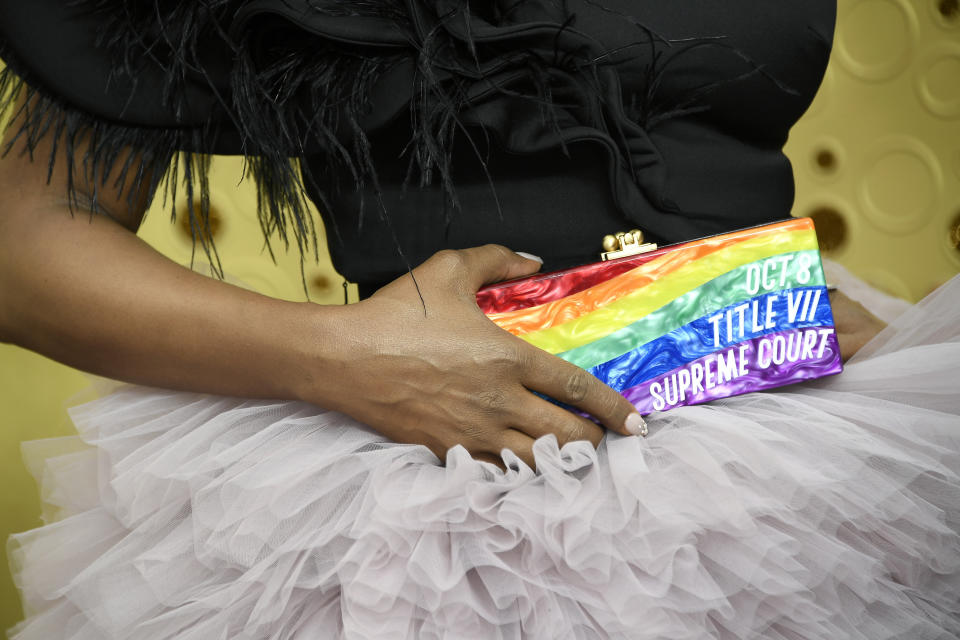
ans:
(804, 354)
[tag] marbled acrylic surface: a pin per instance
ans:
(686, 324)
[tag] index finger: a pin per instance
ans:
(578, 388)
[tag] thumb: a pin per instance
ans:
(494, 263)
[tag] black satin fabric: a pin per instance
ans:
(739, 73)
(574, 118)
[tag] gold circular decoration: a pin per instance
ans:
(900, 185)
(826, 160)
(875, 38)
(952, 244)
(321, 283)
(938, 81)
(831, 228)
(947, 12)
(195, 228)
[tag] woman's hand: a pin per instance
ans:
(440, 373)
(855, 325)
(84, 290)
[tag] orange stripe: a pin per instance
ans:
(557, 312)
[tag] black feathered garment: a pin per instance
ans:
(424, 124)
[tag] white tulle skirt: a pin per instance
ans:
(823, 510)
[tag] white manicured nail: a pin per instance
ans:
(529, 256)
(636, 425)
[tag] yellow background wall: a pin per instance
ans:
(877, 163)
(877, 156)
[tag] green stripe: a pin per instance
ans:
(644, 300)
(718, 293)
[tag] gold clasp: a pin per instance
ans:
(623, 244)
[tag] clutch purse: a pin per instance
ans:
(686, 323)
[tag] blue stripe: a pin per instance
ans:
(702, 337)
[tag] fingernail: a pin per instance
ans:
(529, 256)
(635, 425)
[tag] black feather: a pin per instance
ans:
(298, 100)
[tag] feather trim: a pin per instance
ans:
(301, 101)
(157, 162)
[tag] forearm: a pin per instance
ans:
(418, 361)
(89, 293)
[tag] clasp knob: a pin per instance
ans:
(625, 243)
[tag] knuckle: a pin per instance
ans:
(524, 358)
(503, 355)
(511, 355)
(475, 432)
(583, 429)
(576, 386)
(450, 261)
(492, 400)
(573, 430)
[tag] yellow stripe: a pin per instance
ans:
(637, 304)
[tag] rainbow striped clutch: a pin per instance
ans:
(685, 324)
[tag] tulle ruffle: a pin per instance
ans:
(824, 510)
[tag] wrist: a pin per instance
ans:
(315, 347)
